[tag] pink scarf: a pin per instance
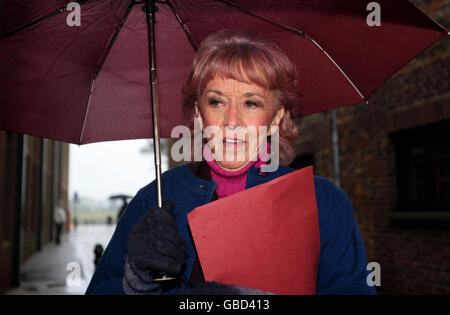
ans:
(231, 182)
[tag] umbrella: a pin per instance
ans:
(124, 199)
(90, 83)
(120, 196)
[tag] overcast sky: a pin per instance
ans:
(102, 169)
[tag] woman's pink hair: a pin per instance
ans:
(247, 57)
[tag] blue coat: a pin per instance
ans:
(343, 261)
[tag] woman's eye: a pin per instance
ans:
(251, 104)
(214, 102)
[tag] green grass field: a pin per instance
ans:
(94, 216)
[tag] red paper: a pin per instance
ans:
(266, 237)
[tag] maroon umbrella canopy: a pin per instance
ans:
(90, 83)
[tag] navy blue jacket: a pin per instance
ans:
(343, 261)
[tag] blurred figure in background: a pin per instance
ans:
(60, 218)
(98, 251)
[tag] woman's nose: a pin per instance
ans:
(233, 116)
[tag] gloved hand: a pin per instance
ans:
(154, 245)
(217, 288)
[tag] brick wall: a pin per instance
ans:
(413, 260)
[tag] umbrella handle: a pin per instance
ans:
(150, 9)
(159, 276)
(166, 282)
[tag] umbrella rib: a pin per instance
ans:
(39, 20)
(183, 25)
(337, 66)
(296, 31)
(97, 71)
(114, 37)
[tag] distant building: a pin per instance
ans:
(33, 177)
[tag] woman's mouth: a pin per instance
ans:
(233, 143)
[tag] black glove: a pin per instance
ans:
(154, 245)
(217, 288)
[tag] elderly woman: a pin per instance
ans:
(238, 80)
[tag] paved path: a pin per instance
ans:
(67, 268)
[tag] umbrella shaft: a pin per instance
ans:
(150, 13)
(156, 144)
(159, 276)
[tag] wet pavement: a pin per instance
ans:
(67, 268)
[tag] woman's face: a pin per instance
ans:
(233, 106)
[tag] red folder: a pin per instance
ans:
(265, 237)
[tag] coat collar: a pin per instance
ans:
(201, 170)
(197, 174)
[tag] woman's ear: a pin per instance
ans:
(198, 115)
(276, 120)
